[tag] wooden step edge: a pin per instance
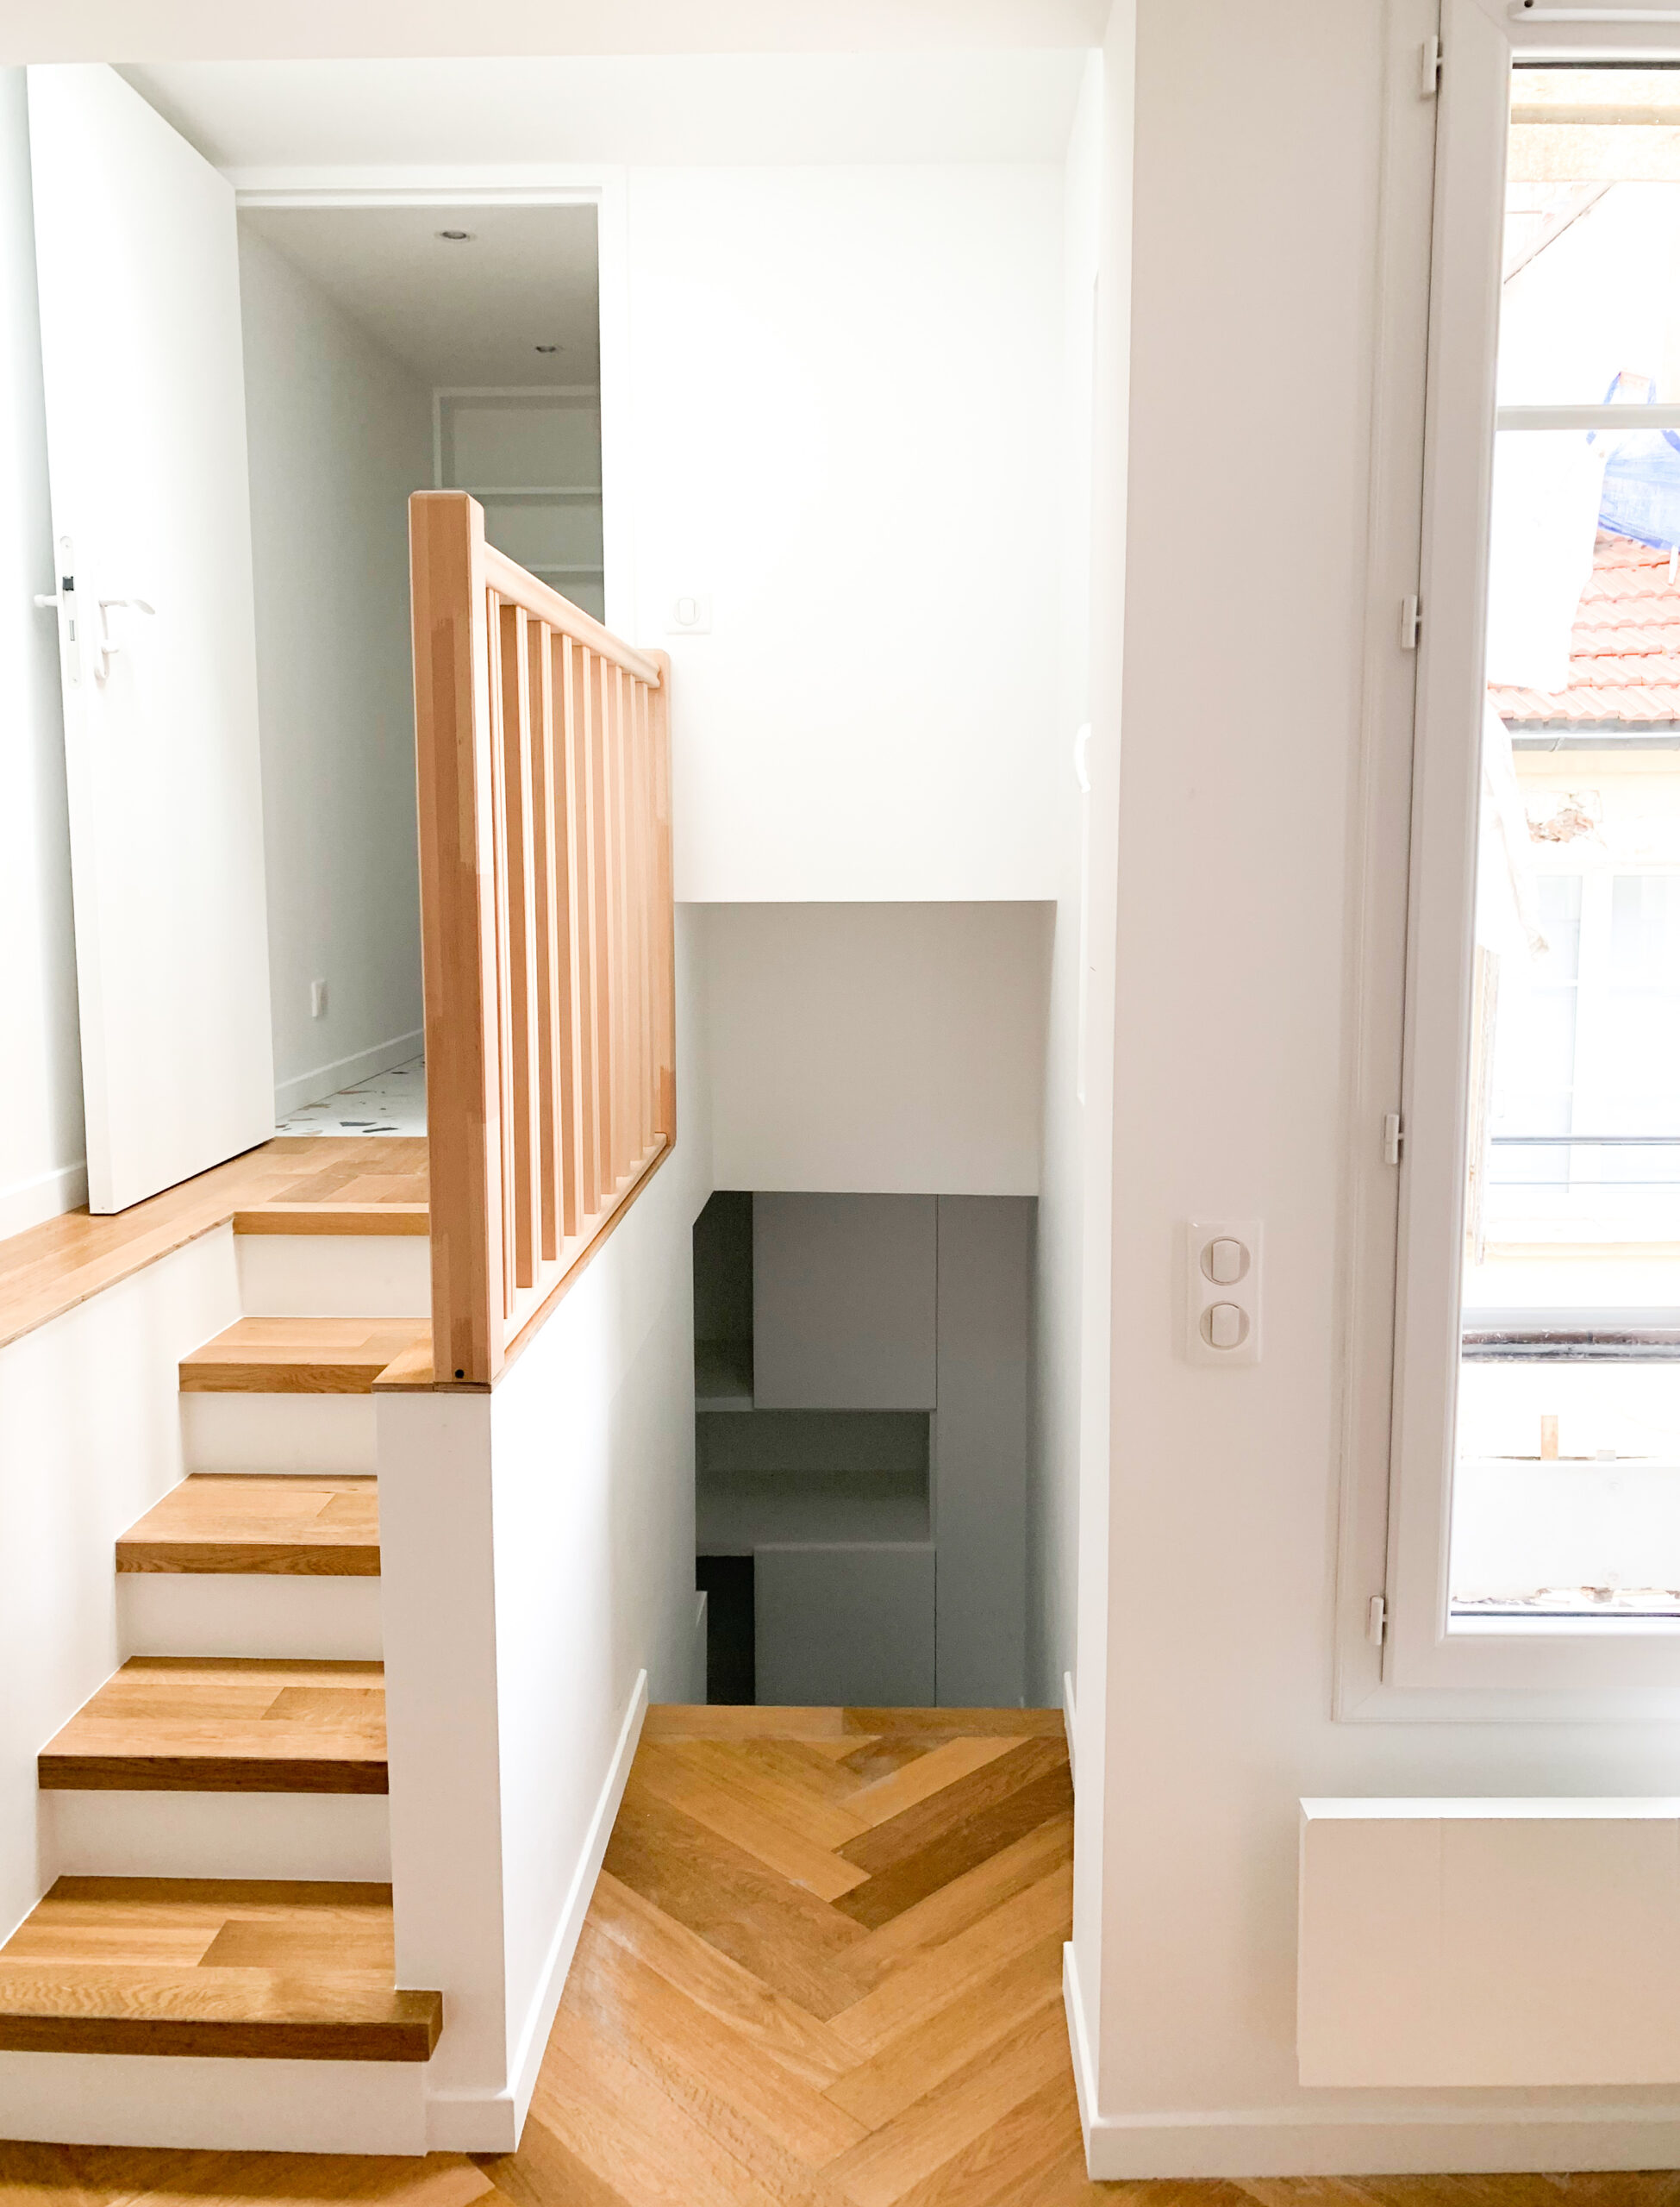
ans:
(157, 1771)
(335, 1218)
(99, 2008)
(273, 1376)
(253, 1559)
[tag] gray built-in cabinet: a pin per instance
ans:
(861, 1377)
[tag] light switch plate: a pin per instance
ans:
(1202, 1293)
(689, 614)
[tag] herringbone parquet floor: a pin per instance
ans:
(822, 1966)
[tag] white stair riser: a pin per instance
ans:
(121, 1834)
(151, 2099)
(254, 1613)
(277, 1433)
(334, 1275)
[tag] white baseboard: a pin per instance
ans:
(1070, 1726)
(155, 2099)
(47, 1195)
(490, 2122)
(697, 1653)
(1252, 2142)
(343, 1072)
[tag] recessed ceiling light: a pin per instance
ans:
(548, 349)
(457, 237)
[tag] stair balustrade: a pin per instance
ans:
(543, 749)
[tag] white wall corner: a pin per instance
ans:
(1078, 2040)
(343, 1073)
(490, 2121)
(1070, 1724)
(43, 1195)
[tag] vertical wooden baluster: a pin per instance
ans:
(520, 1167)
(634, 898)
(573, 926)
(502, 1193)
(664, 1023)
(623, 976)
(583, 906)
(646, 877)
(547, 825)
(606, 966)
(458, 909)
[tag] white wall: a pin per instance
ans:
(1052, 1493)
(537, 1545)
(42, 1168)
(89, 1438)
(340, 434)
(886, 1048)
(844, 390)
(1257, 139)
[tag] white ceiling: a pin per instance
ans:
(972, 104)
(471, 313)
(153, 30)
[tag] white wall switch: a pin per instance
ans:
(690, 615)
(1222, 1290)
(317, 999)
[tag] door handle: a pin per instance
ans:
(107, 643)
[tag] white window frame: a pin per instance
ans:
(1434, 422)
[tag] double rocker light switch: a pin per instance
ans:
(1223, 1292)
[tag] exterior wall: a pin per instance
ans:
(339, 435)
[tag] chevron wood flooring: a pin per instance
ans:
(822, 1966)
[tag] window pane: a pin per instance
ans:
(1592, 233)
(1566, 1492)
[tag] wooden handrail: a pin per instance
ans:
(543, 749)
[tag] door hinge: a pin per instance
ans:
(1429, 68)
(1394, 1137)
(1411, 622)
(1376, 1620)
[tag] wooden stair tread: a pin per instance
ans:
(233, 1968)
(246, 1523)
(297, 1356)
(226, 1724)
(334, 1218)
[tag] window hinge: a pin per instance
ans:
(1394, 1137)
(1376, 1620)
(1411, 620)
(1429, 68)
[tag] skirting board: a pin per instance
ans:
(490, 2122)
(343, 1072)
(697, 1655)
(1247, 2142)
(48, 1195)
(1070, 1723)
(276, 2107)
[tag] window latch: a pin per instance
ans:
(1394, 1137)
(1377, 1619)
(1411, 622)
(1429, 68)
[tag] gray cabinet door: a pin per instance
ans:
(844, 1294)
(847, 1627)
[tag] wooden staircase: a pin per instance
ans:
(218, 1802)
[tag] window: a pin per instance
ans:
(1534, 1529)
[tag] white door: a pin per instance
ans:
(139, 277)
